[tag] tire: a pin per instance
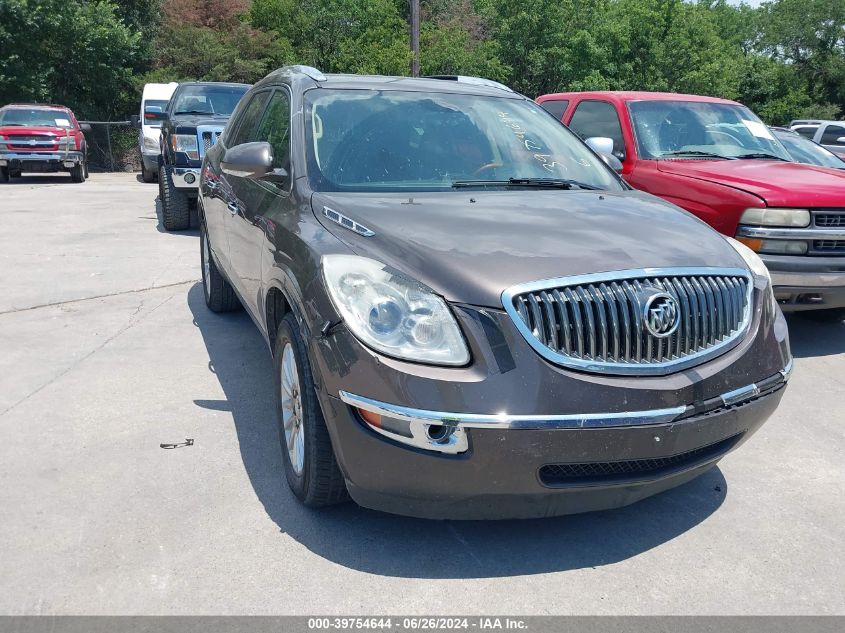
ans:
(147, 175)
(176, 214)
(4, 174)
(219, 295)
(315, 477)
(77, 173)
(15, 174)
(86, 168)
(831, 315)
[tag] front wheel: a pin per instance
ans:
(77, 173)
(310, 465)
(176, 213)
(147, 175)
(4, 174)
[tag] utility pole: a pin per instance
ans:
(415, 38)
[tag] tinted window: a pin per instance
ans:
(212, 100)
(275, 128)
(248, 120)
(831, 133)
(686, 129)
(807, 131)
(555, 107)
(598, 118)
(368, 140)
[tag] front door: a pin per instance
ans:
(248, 225)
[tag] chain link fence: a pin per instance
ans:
(113, 146)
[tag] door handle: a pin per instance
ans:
(233, 208)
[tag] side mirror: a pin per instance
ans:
(85, 127)
(153, 114)
(603, 146)
(840, 140)
(135, 121)
(252, 160)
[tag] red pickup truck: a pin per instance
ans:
(42, 138)
(717, 160)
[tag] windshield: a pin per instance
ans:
(695, 128)
(805, 151)
(161, 104)
(367, 140)
(35, 117)
(210, 99)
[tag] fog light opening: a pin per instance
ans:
(439, 433)
(190, 178)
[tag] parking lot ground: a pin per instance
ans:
(107, 351)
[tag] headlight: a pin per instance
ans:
(67, 141)
(776, 217)
(151, 144)
(393, 314)
(185, 143)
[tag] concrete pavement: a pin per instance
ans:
(107, 351)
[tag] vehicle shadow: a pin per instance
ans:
(191, 232)
(815, 338)
(389, 545)
(41, 179)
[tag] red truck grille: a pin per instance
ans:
(32, 142)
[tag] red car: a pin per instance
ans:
(716, 159)
(42, 138)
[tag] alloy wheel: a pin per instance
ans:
(292, 418)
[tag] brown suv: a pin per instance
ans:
(471, 315)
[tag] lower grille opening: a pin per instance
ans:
(590, 473)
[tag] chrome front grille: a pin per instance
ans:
(602, 322)
(209, 139)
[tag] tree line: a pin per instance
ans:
(784, 59)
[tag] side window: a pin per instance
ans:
(598, 118)
(831, 133)
(275, 129)
(807, 131)
(245, 125)
(555, 107)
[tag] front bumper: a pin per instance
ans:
(186, 178)
(807, 283)
(41, 161)
(554, 420)
(545, 466)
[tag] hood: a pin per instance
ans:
(34, 129)
(778, 183)
(471, 246)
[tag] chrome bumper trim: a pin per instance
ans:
(789, 234)
(781, 279)
(565, 421)
(74, 155)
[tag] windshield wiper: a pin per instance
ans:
(695, 152)
(192, 112)
(11, 124)
(543, 183)
(763, 155)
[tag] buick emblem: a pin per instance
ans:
(661, 316)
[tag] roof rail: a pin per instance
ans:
(476, 81)
(308, 71)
